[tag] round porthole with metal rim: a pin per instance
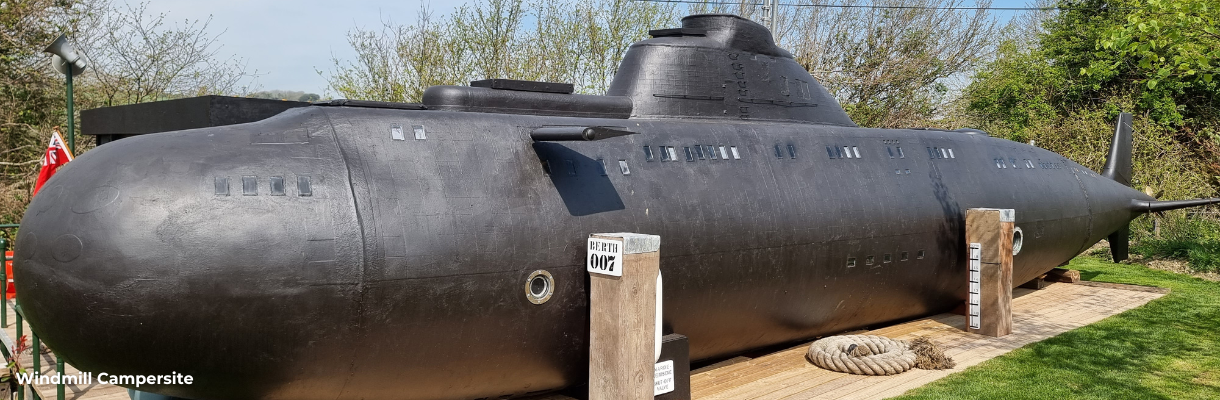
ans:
(1017, 238)
(539, 287)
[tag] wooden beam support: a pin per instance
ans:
(1063, 275)
(622, 316)
(989, 235)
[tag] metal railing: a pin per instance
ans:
(36, 346)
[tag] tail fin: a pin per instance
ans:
(1118, 167)
(1118, 164)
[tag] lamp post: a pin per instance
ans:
(66, 61)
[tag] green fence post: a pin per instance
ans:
(36, 352)
(59, 369)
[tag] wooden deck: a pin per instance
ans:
(1037, 315)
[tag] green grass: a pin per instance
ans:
(1166, 349)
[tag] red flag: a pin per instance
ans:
(57, 155)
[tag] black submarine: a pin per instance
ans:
(365, 250)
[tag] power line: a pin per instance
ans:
(871, 6)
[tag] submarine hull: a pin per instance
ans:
(398, 270)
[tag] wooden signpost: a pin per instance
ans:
(989, 236)
(623, 270)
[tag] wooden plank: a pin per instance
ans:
(1063, 275)
(623, 326)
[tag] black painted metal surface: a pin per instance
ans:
(375, 253)
(112, 123)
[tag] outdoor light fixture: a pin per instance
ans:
(67, 62)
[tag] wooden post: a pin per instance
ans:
(989, 243)
(622, 315)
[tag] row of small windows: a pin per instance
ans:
(700, 152)
(779, 151)
(898, 152)
(1001, 163)
(941, 152)
(843, 152)
(886, 259)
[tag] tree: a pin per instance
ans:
(137, 58)
(579, 42)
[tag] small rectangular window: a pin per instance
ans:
(903, 256)
(839, 152)
(856, 150)
(249, 185)
(277, 186)
(396, 132)
(890, 150)
(943, 154)
(419, 132)
(851, 262)
(571, 166)
(673, 153)
(664, 153)
(830, 152)
(920, 254)
(711, 152)
(888, 258)
(222, 185)
(724, 153)
(951, 154)
(901, 154)
(601, 167)
(792, 151)
(304, 189)
(898, 172)
(907, 171)
(648, 153)
(1014, 162)
(546, 167)
(868, 260)
(736, 155)
(699, 152)
(847, 150)
(778, 153)
(622, 166)
(690, 156)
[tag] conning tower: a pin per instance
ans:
(721, 66)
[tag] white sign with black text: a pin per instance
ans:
(663, 381)
(605, 257)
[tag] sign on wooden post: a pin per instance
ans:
(989, 235)
(623, 270)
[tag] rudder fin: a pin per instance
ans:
(1118, 163)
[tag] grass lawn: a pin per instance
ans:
(1167, 349)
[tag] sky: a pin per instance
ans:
(288, 42)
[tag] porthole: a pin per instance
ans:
(539, 287)
(1017, 238)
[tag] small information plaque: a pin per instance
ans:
(605, 257)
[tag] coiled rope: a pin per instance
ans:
(862, 355)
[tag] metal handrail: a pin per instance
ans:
(36, 348)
